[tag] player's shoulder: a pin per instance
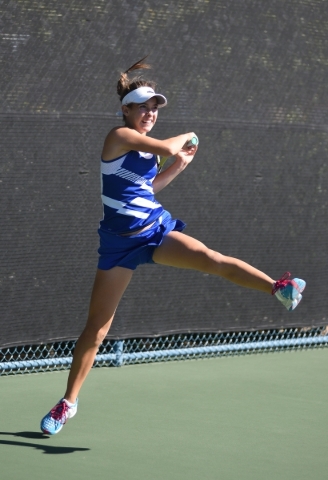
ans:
(116, 135)
(116, 143)
(122, 133)
(118, 131)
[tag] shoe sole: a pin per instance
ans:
(299, 288)
(51, 433)
(296, 301)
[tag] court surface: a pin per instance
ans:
(257, 417)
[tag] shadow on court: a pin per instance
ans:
(52, 450)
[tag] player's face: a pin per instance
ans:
(142, 116)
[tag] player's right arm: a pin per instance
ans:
(121, 140)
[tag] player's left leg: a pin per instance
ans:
(182, 251)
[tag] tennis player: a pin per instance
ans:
(136, 229)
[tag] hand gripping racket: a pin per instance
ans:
(193, 142)
(161, 160)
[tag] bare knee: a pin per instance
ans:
(95, 332)
(210, 261)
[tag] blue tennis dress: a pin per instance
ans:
(129, 205)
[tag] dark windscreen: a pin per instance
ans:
(248, 77)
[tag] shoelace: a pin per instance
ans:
(282, 282)
(59, 411)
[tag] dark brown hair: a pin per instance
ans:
(125, 85)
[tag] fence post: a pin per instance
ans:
(118, 348)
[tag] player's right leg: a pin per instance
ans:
(108, 289)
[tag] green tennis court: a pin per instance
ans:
(246, 417)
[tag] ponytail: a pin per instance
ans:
(125, 85)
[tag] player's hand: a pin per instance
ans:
(192, 135)
(186, 154)
(192, 139)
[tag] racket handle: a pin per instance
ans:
(193, 142)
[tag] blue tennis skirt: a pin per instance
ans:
(133, 250)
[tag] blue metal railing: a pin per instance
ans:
(58, 356)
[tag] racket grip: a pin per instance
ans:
(193, 142)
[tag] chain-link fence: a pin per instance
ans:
(58, 356)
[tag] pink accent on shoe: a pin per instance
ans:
(281, 283)
(59, 411)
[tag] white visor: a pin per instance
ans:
(142, 94)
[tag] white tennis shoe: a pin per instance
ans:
(54, 421)
(289, 292)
